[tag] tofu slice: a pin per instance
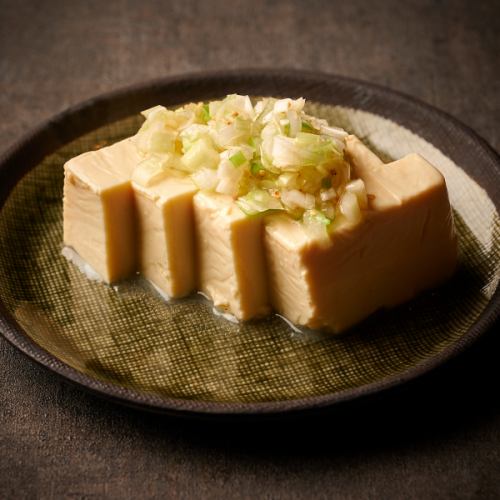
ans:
(99, 209)
(166, 247)
(231, 261)
(406, 244)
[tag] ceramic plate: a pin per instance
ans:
(180, 358)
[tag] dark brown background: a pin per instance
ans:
(439, 438)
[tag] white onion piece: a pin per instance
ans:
(349, 207)
(358, 188)
(297, 199)
(205, 178)
(271, 156)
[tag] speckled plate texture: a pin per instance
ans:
(129, 345)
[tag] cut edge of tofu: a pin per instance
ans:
(173, 270)
(104, 186)
(121, 254)
(230, 252)
(102, 206)
(285, 241)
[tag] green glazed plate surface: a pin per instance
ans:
(127, 343)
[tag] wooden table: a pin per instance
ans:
(437, 439)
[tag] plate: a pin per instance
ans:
(179, 358)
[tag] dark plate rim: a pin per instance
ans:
(66, 126)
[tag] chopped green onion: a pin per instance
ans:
(306, 127)
(323, 219)
(205, 113)
(238, 159)
(256, 167)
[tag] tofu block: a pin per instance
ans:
(405, 244)
(231, 261)
(99, 220)
(181, 239)
(165, 224)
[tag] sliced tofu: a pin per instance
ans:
(99, 209)
(231, 261)
(405, 244)
(166, 248)
(169, 231)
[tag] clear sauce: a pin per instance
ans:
(72, 256)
